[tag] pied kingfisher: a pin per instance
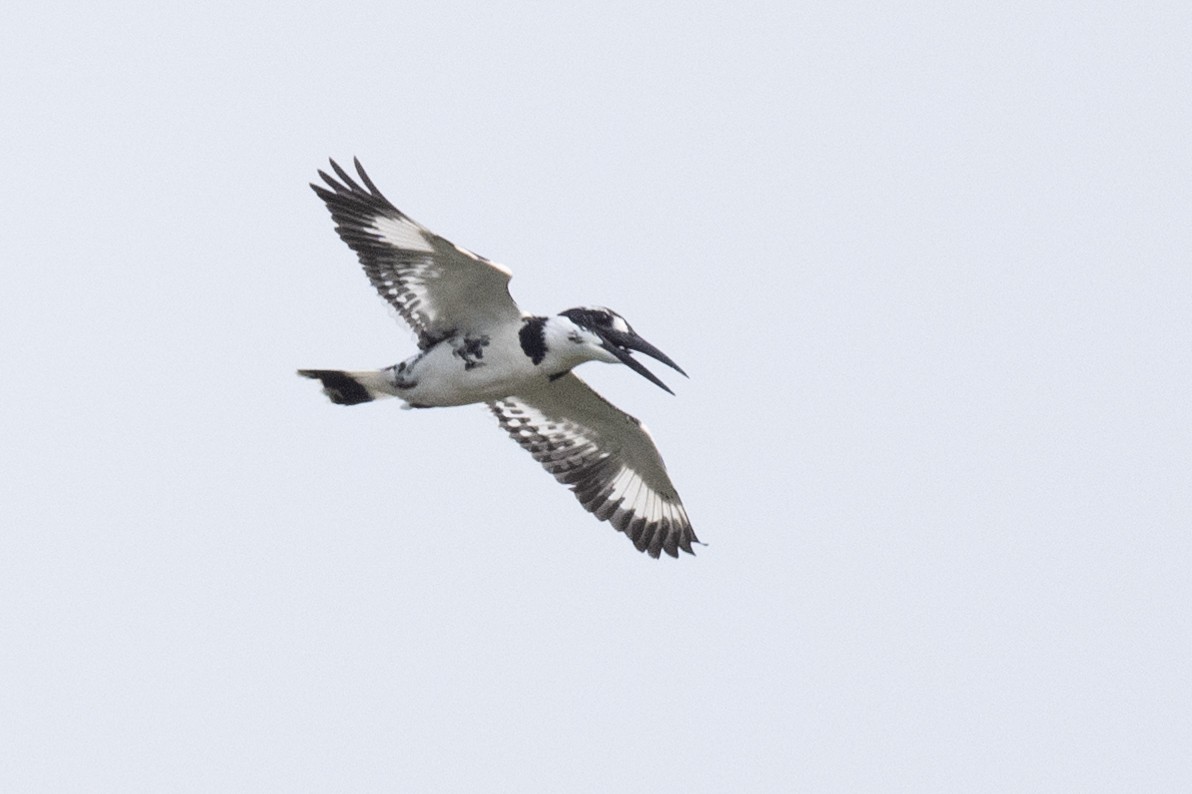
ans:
(476, 346)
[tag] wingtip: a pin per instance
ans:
(343, 175)
(327, 179)
(340, 183)
(368, 183)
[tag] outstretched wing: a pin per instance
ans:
(436, 286)
(606, 456)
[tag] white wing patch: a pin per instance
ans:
(401, 233)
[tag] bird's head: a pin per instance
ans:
(604, 335)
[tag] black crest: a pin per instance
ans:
(590, 318)
(533, 338)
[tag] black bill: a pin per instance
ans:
(620, 344)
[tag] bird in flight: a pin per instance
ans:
(476, 346)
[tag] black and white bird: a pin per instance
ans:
(476, 346)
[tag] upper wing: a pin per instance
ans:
(606, 456)
(436, 286)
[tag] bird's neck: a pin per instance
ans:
(562, 345)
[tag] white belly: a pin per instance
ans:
(454, 372)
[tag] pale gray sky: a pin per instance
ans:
(930, 270)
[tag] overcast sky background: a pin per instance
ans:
(930, 271)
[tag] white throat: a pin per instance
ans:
(569, 345)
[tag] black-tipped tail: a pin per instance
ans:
(341, 387)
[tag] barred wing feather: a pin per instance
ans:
(607, 458)
(436, 286)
